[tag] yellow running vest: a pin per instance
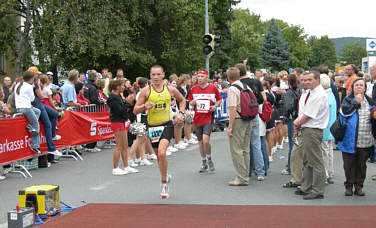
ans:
(160, 113)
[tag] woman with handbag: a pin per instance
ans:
(358, 140)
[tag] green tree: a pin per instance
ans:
(274, 51)
(91, 34)
(247, 33)
(16, 20)
(300, 50)
(323, 52)
(129, 34)
(353, 53)
(221, 17)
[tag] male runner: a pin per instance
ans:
(156, 98)
(205, 98)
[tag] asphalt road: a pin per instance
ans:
(91, 181)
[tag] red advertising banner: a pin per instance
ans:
(75, 128)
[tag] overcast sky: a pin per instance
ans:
(335, 18)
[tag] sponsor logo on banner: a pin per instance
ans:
(75, 128)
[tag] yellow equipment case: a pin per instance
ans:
(44, 198)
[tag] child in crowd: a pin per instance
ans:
(79, 88)
(47, 92)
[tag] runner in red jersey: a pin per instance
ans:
(205, 98)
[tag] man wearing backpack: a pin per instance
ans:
(256, 157)
(239, 130)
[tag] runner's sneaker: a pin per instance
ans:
(270, 158)
(117, 171)
(2, 177)
(193, 136)
(164, 191)
(151, 157)
(274, 149)
(211, 165)
(204, 168)
(280, 146)
(286, 140)
(192, 141)
(179, 146)
(172, 149)
(131, 170)
(183, 143)
(145, 162)
(132, 163)
(168, 153)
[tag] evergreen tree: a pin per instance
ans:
(275, 51)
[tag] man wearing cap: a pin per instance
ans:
(205, 99)
(48, 118)
(50, 76)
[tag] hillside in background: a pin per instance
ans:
(341, 42)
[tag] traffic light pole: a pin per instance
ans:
(207, 32)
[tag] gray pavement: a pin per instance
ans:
(91, 181)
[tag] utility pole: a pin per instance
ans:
(207, 32)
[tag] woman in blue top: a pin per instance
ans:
(358, 140)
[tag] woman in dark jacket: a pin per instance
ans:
(119, 118)
(358, 140)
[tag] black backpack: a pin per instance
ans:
(290, 104)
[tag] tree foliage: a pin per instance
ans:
(300, 50)
(323, 52)
(247, 32)
(275, 51)
(132, 34)
(222, 16)
(353, 53)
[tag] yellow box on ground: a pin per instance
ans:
(44, 198)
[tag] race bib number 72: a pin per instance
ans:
(203, 106)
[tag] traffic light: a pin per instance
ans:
(211, 43)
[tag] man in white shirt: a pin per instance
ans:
(311, 124)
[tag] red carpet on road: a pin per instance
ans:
(177, 215)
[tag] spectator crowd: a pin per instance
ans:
(297, 108)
